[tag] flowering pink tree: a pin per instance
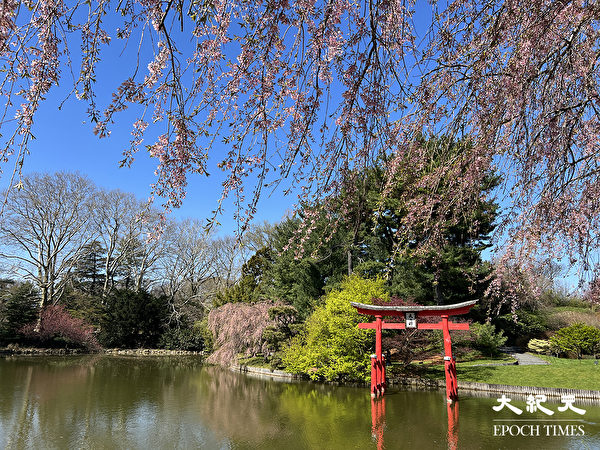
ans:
(303, 92)
(238, 328)
(592, 294)
(57, 323)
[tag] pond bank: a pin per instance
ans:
(500, 388)
(427, 384)
(33, 351)
(417, 383)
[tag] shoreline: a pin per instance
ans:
(426, 384)
(33, 351)
(280, 375)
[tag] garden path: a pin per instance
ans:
(524, 359)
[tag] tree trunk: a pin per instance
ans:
(349, 262)
(437, 290)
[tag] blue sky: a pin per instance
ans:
(65, 142)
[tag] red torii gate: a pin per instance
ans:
(411, 320)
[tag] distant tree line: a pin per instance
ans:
(84, 267)
(96, 253)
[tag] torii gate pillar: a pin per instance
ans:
(411, 316)
(449, 363)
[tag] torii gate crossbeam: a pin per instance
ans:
(411, 316)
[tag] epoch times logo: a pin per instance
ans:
(537, 427)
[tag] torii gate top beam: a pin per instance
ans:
(421, 311)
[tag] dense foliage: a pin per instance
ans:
(285, 326)
(539, 346)
(18, 307)
(133, 319)
(57, 328)
(183, 336)
(358, 232)
(486, 339)
(578, 340)
(332, 347)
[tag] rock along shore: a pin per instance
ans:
(32, 351)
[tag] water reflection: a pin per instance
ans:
(130, 402)
(378, 420)
(452, 410)
(258, 413)
(378, 423)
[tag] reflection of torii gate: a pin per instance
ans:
(411, 320)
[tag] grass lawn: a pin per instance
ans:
(254, 361)
(560, 373)
(500, 359)
(582, 309)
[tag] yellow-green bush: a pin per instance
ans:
(578, 339)
(539, 346)
(332, 347)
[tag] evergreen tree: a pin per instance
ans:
(19, 306)
(133, 319)
(370, 240)
(253, 281)
(301, 281)
(381, 243)
(88, 272)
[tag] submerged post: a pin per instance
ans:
(373, 375)
(380, 366)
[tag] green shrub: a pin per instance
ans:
(285, 318)
(578, 339)
(539, 346)
(183, 337)
(332, 347)
(83, 305)
(528, 324)
(486, 340)
(201, 328)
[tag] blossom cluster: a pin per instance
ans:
(303, 95)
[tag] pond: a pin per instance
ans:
(177, 402)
